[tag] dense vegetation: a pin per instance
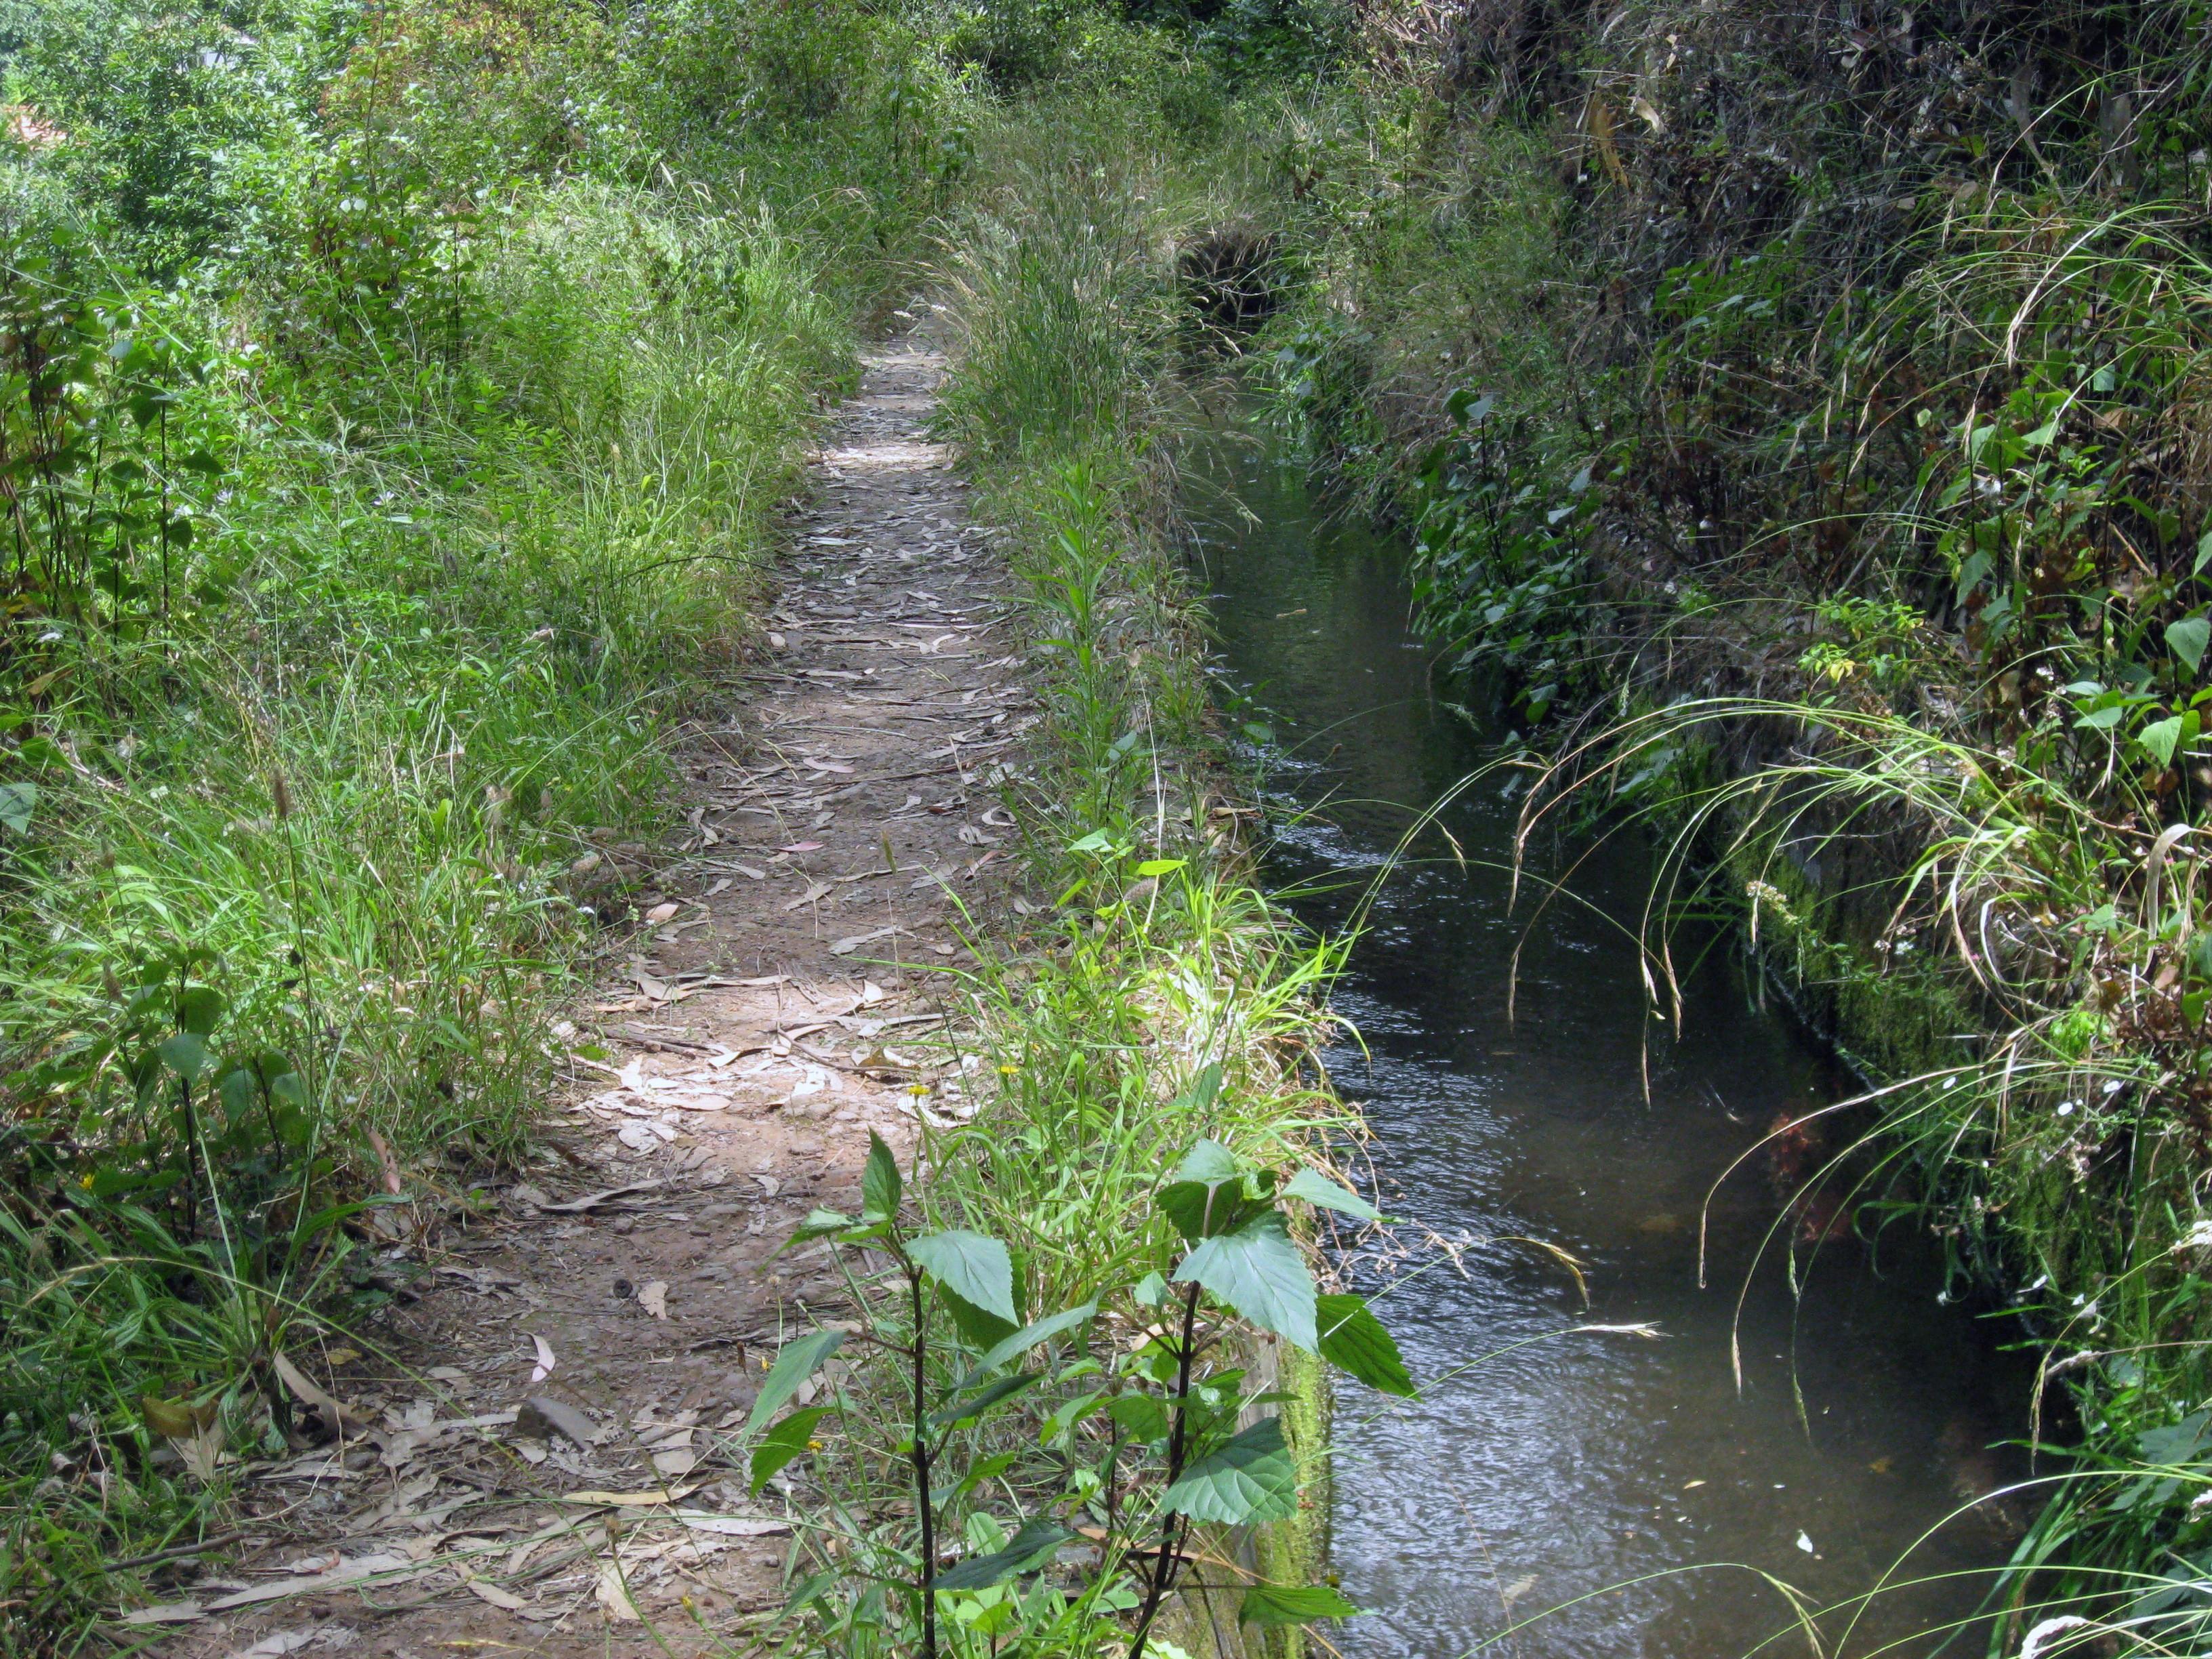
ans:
(392, 407)
(1800, 415)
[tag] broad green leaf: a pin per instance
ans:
(1028, 1548)
(16, 801)
(788, 1439)
(1158, 866)
(200, 1010)
(1317, 1189)
(880, 1186)
(800, 1360)
(1030, 1335)
(1251, 1480)
(237, 1090)
(1258, 1271)
(2160, 737)
(1208, 1162)
(1352, 1340)
(1198, 1096)
(978, 1327)
(184, 1055)
(2187, 638)
(1142, 1416)
(1291, 1604)
(975, 1268)
(1070, 1412)
(1200, 1211)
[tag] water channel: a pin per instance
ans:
(1607, 1493)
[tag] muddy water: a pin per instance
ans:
(1609, 1494)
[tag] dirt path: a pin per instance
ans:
(781, 1008)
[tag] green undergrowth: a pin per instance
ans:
(393, 411)
(1801, 426)
(1088, 1336)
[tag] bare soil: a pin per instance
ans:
(837, 844)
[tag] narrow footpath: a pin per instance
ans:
(542, 1456)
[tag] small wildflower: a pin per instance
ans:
(1009, 1071)
(85, 1181)
(917, 1089)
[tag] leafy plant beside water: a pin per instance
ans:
(1075, 1454)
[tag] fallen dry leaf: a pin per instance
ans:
(652, 1297)
(541, 1416)
(845, 947)
(660, 912)
(352, 1571)
(629, 1500)
(334, 1411)
(168, 1612)
(612, 1597)
(484, 1591)
(544, 1368)
(281, 1642)
(593, 1200)
(731, 1526)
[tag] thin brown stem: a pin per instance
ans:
(921, 1504)
(1174, 1529)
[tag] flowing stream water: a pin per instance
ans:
(1607, 1494)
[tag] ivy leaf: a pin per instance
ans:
(1352, 1340)
(2187, 638)
(16, 801)
(1028, 1548)
(800, 1360)
(1258, 1271)
(1250, 1480)
(1318, 1190)
(1291, 1604)
(974, 1268)
(781, 1444)
(880, 1186)
(2160, 737)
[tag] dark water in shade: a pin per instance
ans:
(1581, 1462)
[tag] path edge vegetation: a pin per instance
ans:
(390, 480)
(1115, 1260)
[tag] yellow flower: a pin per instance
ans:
(1008, 1071)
